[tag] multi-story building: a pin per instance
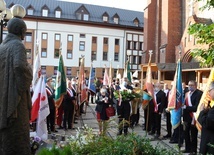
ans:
(100, 34)
(166, 33)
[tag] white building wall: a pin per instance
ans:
(64, 29)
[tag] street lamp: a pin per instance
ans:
(6, 14)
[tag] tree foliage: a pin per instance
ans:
(204, 34)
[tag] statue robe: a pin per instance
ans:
(15, 100)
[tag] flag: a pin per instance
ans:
(149, 85)
(105, 78)
(205, 98)
(61, 88)
(81, 82)
(145, 99)
(36, 71)
(176, 98)
(40, 109)
(91, 84)
(135, 74)
(110, 75)
(127, 72)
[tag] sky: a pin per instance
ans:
(136, 5)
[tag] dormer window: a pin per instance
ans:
(105, 17)
(58, 12)
(136, 21)
(82, 13)
(30, 10)
(116, 18)
(45, 11)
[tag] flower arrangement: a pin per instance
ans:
(126, 94)
(34, 143)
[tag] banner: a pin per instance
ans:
(40, 109)
(205, 98)
(176, 98)
(61, 88)
(36, 71)
(81, 81)
(106, 78)
(91, 84)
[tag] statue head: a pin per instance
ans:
(17, 26)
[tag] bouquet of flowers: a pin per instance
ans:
(126, 94)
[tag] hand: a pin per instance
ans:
(184, 107)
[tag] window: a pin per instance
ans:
(30, 11)
(56, 53)
(94, 40)
(28, 37)
(28, 52)
(185, 42)
(116, 20)
(93, 55)
(105, 56)
(134, 60)
(58, 14)
(82, 46)
(44, 36)
(105, 41)
(44, 12)
(44, 53)
(117, 41)
(116, 56)
(105, 18)
(70, 38)
(55, 70)
(85, 17)
(136, 23)
(68, 71)
(57, 37)
(140, 59)
(43, 70)
(82, 35)
(141, 46)
(135, 45)
(129, 45)
(69, 54)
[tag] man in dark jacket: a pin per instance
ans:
(159, 98)
(192, 99)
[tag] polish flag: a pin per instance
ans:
(40, 108)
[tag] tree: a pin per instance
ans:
(204, 33)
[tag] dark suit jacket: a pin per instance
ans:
(160, 100)
(68, 100)
(51, 96)
(195, 99)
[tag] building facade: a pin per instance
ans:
(100, 34)
(166, 34)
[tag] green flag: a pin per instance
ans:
(128, 72)
(60, 83)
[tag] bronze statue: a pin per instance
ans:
(15, 100)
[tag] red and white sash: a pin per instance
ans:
(70, 92)
(189, 103)
(49, 90)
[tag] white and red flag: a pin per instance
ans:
(106, 77)
(36, 71)
(40, 108)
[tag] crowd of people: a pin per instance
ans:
(128, 112)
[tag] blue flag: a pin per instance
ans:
(91, 84)
(177, 111)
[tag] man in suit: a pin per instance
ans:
(51, 117)
(192, 99)
(159, 98)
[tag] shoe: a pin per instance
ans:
(167, 136)
(75, 122)
(60, 127)
(54, 130)
(173, 142)
(49, 132)
(192, 153)
(157, 136)
(151, 133)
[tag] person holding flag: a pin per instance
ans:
(206, 119)
(50, 94)
(192, 100)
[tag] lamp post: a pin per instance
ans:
(6, 14)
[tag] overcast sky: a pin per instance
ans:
(137, 5)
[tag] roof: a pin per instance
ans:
(126, 17)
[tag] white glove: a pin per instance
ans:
(184, 107)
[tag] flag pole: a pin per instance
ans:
(147, 119)
(179, 134)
